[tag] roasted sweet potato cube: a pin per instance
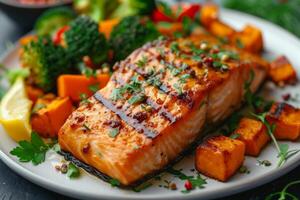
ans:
(220, 29)
(33, 93)
(286, 119)
(254, 134)
(209, 13)
(169, 29)
(50, 114)
(250, 38)
(219, 157)
(282, 72)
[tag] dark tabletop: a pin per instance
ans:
(14, 187)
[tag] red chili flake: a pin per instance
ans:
(188, 185)
(202, 55)
(208, 61)
(214, 51)
(86, 148)
(286, 97)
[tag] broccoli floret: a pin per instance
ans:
(131, 33)
(84, 39)
(53, 19)
(134, 7)
(45, 62)
(96, 9)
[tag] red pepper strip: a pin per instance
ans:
(189, 10)
(159, 16)
(57, 39)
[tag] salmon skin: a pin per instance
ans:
(157, 103)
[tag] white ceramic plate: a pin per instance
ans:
(277, 41)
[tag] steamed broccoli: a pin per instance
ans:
(53, 19)
(134, 7)
(45, 62)
(96, 9)
(131, 33)
(84, 39)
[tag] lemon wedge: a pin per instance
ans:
(15, 110)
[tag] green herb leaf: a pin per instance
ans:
(235, 136)
(86, 127)
(87, 71)
(283, 149)
(239, 44)
(114, 182)
(73, 171)
(178, 88)
(113, 132)
(142, 187)
(14, 74)
(282, 195)
(137, 99)
(33, 151)
(174, 46)
(38, 107)
(94, 88)
(84, 98)
(184, 77)
(142, 62)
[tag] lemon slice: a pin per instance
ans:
(15, 112)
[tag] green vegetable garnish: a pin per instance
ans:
(73, 171)
(34, 151)
(53, 19)
(131, 33)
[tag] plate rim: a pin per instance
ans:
(244, 185)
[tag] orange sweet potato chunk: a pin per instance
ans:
(220, 29)
(209, 13)
(282, 72)
(50, 114)
(219, 157)
(250, 38)
(286, 119)
(254, 134)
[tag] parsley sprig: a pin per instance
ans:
(283, 149)
(33, 150)
(197, 182)
(283, 194)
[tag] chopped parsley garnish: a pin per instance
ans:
(175, 48)
(197, 58)
(265, 163)
(137, 99)
(73, 171)
(84, 98)
(174, 71)
(87, 71)
(154, 80)
(197, 182)
(86, 127)
(34, 151)
(94, 88)
(178, 88)
(235, 136)
(113, 132)
(133, 87)
(184, 77)
(114, 182)
(117, 94)
(142, 187)
(142, 62)
(244, 170)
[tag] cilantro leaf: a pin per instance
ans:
(114, 182)
(73, 171)
(34, 151)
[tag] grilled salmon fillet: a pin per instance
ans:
(157, 103)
